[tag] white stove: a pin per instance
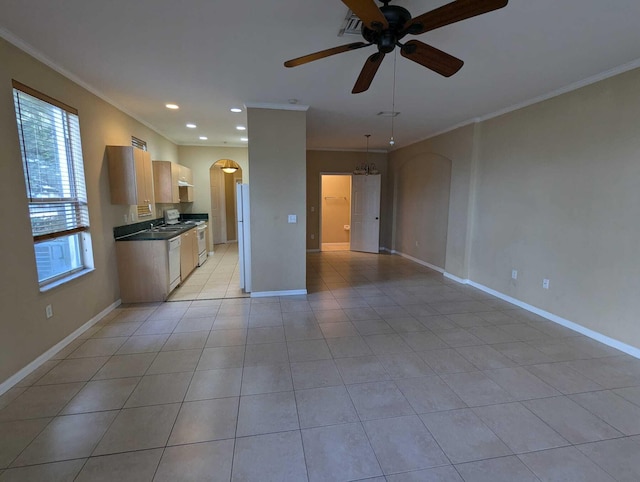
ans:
(172, 217)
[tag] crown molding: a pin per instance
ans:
(33, 52)
(275, 106)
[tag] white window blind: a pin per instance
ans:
(49, 134)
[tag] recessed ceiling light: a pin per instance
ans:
(235, 109)
(241, 128)
(191, 126)
(244, 139)
(203, 138)
(172, 106)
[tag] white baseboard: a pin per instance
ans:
(419, 261)
(265, 294)
(463, 281)
(612, 342)
(16, 377)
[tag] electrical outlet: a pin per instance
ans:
(49, 311)
(545, 284)
(417, 244)
(126, 218)
(514, 274)
(313, 236)
(313, 209)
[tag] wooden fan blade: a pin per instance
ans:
(324, 53)
(431, 58)
(451, 13)
(368, 72)
(368, 12)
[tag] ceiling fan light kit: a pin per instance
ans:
(385, 26)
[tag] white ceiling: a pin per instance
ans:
(210, 55)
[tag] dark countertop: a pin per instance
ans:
(136, 228)
(155, 235)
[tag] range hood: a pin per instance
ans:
(184, 184)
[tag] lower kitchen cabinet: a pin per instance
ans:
(143, 271)
(188, 253)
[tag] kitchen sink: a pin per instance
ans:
(164, 229)
(171, 228)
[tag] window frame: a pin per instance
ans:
(73, 206)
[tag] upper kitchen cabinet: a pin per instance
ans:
(166, 176)
(130, 176)
(185, 184)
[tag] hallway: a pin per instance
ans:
(218, 278)
(385, 371)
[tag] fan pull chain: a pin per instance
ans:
(393, 97)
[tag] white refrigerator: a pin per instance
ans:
(244, 236)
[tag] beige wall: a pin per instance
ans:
(336, 208)
(427, 156)
(278, 172)
(421, 207)
(336, 162)
(25, 333)
(558, 197)
(200, 159)
(552, 190)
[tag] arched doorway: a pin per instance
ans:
(224, 174)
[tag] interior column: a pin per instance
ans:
(277, 161)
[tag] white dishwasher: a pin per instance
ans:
(174, 262)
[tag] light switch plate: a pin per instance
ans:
(293, 219)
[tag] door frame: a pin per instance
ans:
(330, 173)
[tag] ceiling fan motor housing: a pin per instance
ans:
(386, 39)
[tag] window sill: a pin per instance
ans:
(66, 279)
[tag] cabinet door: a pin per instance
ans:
(147, 177)
(130, 175)
(175, 175)
(141, 185)
(122, 175)
(165, 182)
(186, 255)
(186, 194)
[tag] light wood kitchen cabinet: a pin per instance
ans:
(130, 176)
(143, 271)
(165, 182)
(186, 177)
(188, 253)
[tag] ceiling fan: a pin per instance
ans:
(387, 25)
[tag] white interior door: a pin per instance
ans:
(365, 213)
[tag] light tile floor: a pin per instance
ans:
(218, 278)
(335, 247)
(385, 371)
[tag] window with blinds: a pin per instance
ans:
(49, 134)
